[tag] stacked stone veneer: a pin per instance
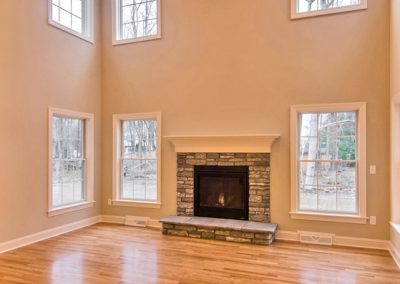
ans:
(230, 235)
(259, 180)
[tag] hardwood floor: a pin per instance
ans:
(106, 253)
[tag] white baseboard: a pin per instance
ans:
(339, 240)
(153, 223)
(395, 254)
(112, 219)
(43, 235)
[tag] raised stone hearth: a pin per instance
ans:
(220, 229)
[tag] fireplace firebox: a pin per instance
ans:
(221, 191)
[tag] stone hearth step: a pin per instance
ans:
(220, 229)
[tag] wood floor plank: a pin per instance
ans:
(106, 253)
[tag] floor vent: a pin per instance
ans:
(136, 221)
(316, 238)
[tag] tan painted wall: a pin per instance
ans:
(395, 108)
(40, 66)
(235, 67)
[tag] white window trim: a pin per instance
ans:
(116, 25)
(116, 200)
(89, 161)
(295, 15)
(88, 22)
(360, 108)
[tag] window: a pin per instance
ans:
(136, 20)
(73, 16)
(70, 161)
(328, 162)
(137, 160)
(310, 8)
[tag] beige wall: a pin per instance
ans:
(40, 66)
(235, 67)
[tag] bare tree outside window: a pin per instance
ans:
(318, 5)
(328, 162)
(139, 18)
(68, 160)
(139, 160)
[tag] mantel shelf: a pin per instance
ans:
(223, 144)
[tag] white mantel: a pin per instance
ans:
(223, 144)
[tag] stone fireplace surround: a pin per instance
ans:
(259, 180)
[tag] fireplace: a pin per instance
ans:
(258, 195)
(221, 191)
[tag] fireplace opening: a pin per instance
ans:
(221, 191)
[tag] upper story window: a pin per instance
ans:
(137, 160)
(70, 161)
(309, 8)
(73, 16)
(136, 20)
(328, 162)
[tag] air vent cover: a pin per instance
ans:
(136, 221)
(316, 238)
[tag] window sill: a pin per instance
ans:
(85, 37)
(70, 208)
(140, 204)
(396, 227)
(328, 217)
(133, 40)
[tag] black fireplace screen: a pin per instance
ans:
(221, 191)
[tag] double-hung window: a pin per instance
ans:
(73, 16)
(136, 20)
(137, 158)
(70, 161)
(328, 162)
(310, 8)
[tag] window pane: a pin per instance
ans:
(68, 178)
(65, 18)
(308, 198)
(317, 5)
(327, 174)
(308, 148)
(139, 138)
(346, 175)
(308, 124)
(327, 198)
(308, 173)
(347, 199)
(151, 180)
(76, 24)
(67, 138)
(66, 5)
(139, 19)
(55, 13)
(77, 8)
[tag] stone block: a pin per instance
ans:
(167, 226)
(239, 234)
(178, 233)
(261, 242)
(238, 240)
(207, 235)
(222, 232)
(185, 227)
